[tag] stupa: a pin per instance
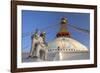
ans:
(64, 47)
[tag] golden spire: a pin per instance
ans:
(63, 29)
(63, 20)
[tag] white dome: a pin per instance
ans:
(68, 44)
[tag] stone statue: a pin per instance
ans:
(38, 48)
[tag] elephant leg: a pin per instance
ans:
(31, 52)
(37, 51)
(44, 56)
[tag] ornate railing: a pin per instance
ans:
(66, 50)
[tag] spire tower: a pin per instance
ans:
(63, 28)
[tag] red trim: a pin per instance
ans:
(61, 34)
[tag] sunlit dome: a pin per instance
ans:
(64, 48)
(67, 44)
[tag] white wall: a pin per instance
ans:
(5, 36)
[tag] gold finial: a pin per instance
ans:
(63, 20)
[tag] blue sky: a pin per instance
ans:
(32, 20)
